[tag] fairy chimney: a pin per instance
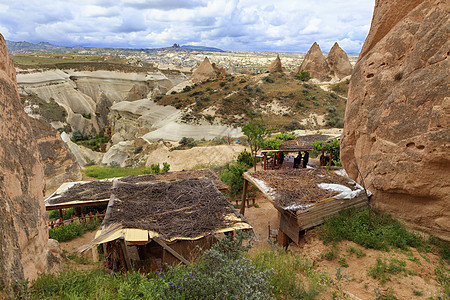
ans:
(275, 66)
(316, 64)
(338, 62)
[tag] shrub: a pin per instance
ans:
(242, 80)
(155, 169)
(72, 230)
(331, 109)
(268, 79)
(300, 104)
(383, 268)
(114, 164)
(166, 167)
(246, 158)
(305, 92)
(398, 76)
(187, 88)
(303, 76)
(232, 176)
(384, 234)
(293, 125)
(222, 84)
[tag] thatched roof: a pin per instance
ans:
(302, 143)
(183, 208)
(84, 192)
(294, 189)
(171, 176)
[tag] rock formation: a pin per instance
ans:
(86, 95)
(205, 71)
(316, 64)
(60, 164)
(275, 66)
(338, 62)
(24, 250)
(398, 112)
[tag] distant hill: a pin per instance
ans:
(201, 48)
(15, 47)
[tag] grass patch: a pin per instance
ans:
(384, 234)
(383, 269)
(331, 253)
(284, 280)
(359, 252)
(101, 172)
(72, 230)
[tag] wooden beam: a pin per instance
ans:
(126, 257)
(265, 160)
(173, 252)
(244, 196)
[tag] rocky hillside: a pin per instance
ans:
(24, 249)
(396, 122)
(87, 90)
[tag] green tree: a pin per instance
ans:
(256, 133)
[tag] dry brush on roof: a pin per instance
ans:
(171, 176)
(300, 186)
(90, 191)
(184, 208)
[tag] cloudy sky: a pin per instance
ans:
(272, 25)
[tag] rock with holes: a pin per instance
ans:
(398, 112)
(23, 227)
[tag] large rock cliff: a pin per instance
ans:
(24, 235)
(398, 112)
(60, 165)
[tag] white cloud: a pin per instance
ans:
(282, 25)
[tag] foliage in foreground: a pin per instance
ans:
(72, 230)
(223, 273)
(286, 266)
(384, 234)
(232, 176)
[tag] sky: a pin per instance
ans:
(252, 25)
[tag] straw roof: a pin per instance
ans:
(171, 176)
(299, 188)
(76, 193)
(183, 208)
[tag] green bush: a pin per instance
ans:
(303, 76)
(155, 169)
(284, 279)
(385, 231)
(383, 268)
(268, 79)
(166, 167)
(232, 176)
(246, 158)
(72, 230)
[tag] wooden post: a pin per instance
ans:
(126, 257)
(60, 214)
(244, 196)
(94, 253)
(282, 239)
(265, 160)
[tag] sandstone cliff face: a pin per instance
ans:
(316, 64)
(60, 164)
(398, 112)
(24, 234)
(338, 62)
(275, 66)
